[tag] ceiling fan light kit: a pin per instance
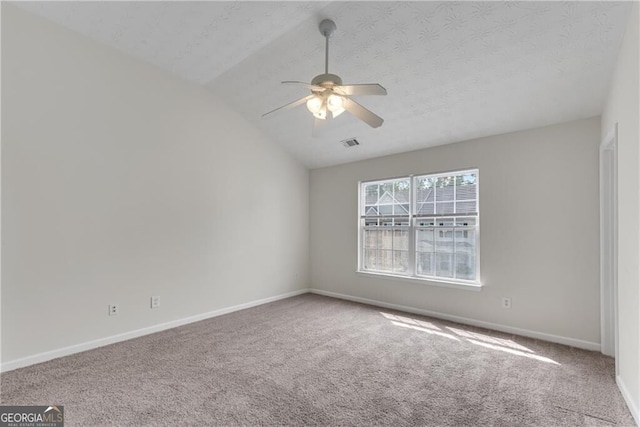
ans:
(329, 95)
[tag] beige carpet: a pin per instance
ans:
(312, 360)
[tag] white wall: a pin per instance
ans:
(539, 222)
(120, 182)
(622, 108)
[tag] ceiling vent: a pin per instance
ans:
(350, 142)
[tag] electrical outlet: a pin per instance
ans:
(506, 302)
(113, 309)
(155, 302)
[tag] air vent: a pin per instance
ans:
(350, 142)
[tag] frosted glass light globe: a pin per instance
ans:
(314, 104)
(335, 104)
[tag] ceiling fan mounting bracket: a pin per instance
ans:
(327, 80)
(327, 27)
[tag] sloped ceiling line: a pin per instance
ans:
(453, 70)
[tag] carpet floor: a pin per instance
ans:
(313, 360)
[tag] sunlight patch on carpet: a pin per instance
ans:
(512, 351)
(429, 331)
(489, 339)
(410, 321)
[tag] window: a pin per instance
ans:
(423, 227)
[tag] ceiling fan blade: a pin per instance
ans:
(307, 85)
(289, 105)
(361, 90)
(362, 113)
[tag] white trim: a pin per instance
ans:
(77, 348)
(587, 345)
(411, 175)
(635, 412)
(609, 244)
(611, 139)
(412, 216)
(423, 281)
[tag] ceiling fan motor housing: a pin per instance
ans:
(327, 80)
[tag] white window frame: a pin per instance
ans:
(411, 275)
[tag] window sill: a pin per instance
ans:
(477, 287)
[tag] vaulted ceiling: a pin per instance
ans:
(453, 70)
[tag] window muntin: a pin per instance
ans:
(422, 226)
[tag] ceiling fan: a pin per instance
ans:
(329, 95)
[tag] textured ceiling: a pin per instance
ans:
(453, 70)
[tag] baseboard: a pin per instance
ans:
(77, 348)
(89, 345)
(633, 408)
(472, 322)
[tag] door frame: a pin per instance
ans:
(609, 244)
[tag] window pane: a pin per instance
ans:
(386, 190)
(401, 240)
(425, 263)
(385, 260)
(444, 265)
(386, 209)
(370, 259)
(426, 208)
(425, 241)
(466, 207)
(425, 189)
(398, 240)
(400, 261)
(386, 239)
(466, 187)
(371, 211)
(466, 242)
(444, 208)
(371, 194)
(425, 258)
(444, 241)
(425, 196)
(466, 192)
(402, 209)
(444, 188)
(387, 198)
(371, 239)
(401, 192)
(465, 266)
